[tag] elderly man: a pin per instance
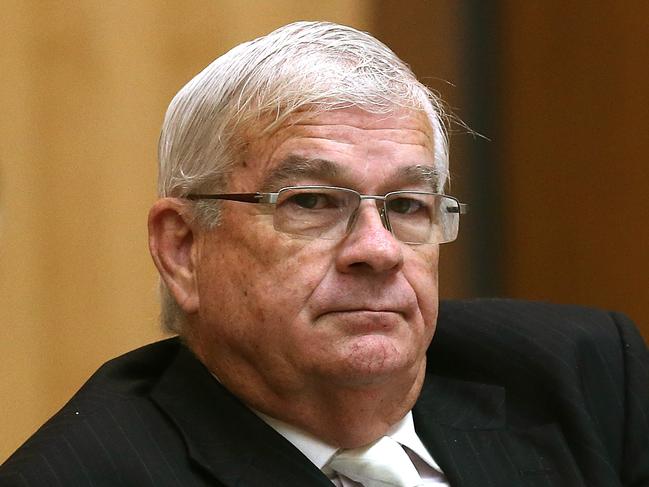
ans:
(297, 239)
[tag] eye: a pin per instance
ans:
(404, 206)
(310, 201)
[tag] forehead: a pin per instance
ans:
(343, 147)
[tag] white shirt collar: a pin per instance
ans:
(320, 452)
(404, 433)
(311, 447)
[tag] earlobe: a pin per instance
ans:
(172, 246)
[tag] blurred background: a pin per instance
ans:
(557, 177)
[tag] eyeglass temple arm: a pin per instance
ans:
(244, 197)
(269, 197)
(462, 209)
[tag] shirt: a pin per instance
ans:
(320, 452)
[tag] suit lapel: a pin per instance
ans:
(464, 426)
(223, 436)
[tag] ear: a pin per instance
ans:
(172, 246)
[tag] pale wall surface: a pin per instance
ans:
(84, 87)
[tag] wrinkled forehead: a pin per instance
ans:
(335, 146)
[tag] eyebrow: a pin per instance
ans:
(296, 167)
(420, 173)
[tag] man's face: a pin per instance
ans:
(296, 312)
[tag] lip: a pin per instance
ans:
(344, 296)
(361, 308)
(363, 320)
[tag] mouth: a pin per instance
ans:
(362, 310)
(355, 308)
(362, 320)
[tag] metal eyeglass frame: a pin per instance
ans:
(272, 197)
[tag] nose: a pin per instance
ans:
(368, 245)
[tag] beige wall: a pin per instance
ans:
(84, 88)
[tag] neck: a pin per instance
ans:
(340, 414)
(352, 417)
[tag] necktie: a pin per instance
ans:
(383, 463)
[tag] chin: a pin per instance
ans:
(373, 358)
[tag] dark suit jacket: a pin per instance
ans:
(517, 394)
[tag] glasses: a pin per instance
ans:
(327, 212)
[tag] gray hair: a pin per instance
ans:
(303, 66)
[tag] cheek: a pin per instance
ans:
(269, 277)
(423, 272)
(287, 280)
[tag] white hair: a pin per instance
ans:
(303, 66)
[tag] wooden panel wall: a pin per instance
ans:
(575, 153)
(84, 88)
(560, 88)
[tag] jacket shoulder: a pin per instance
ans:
(499, 337)
(584, 368)
(107, 432)
(523, 327)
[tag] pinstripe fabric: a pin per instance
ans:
(576, 387)
(517, 394)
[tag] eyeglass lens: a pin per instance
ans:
(413, 217)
